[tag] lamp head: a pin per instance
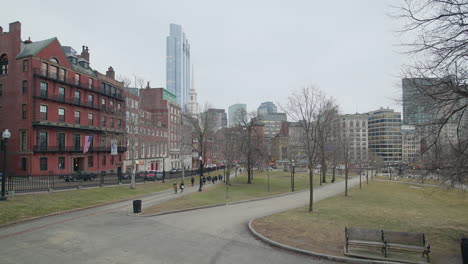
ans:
(6, 134)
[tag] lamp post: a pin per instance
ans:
(201, 173)
(224, 171)
(164, 170)
(5, 136)
(292, 176)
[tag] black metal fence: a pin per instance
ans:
(38, 183)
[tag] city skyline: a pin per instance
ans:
(351, 56)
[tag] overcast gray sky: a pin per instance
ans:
(243, 51)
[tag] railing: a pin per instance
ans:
(37, 183)
(72, 82)
(52, 149)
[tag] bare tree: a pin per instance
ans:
(306, 107)
(251, 140)
(438, 42)
(230, 148)
(329, 111)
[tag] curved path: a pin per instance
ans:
(111, 234)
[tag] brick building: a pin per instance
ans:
(146, 136)
(52, 101)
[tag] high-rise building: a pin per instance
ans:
(237, 112)
(353, 128)
(267, 108)
(411, 144)
(217, 118)
(385, 134)
(178, 65)
(272, 122)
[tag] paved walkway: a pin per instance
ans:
(111, 234)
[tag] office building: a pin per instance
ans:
(237, 113)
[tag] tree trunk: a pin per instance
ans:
(311, 186)
(346, 180)
(249, 180)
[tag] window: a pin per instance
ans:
(3, 64)
(112, 160)
(61, 114)
(61, 141)
(44, 68)
(24, 110)
(119, 106)
(23, 164)
(103, 103)
(111, 104)
(24, 141)
(43, 163)
(61, 163)
(43, 110)
(103, 121)
(24, 86)
(42, 140)
(77, 117)
(77, 79)
(77, 141)
(77, 97)
(119, 123)
(90, 83)
(91, 100)
(90, 161)
(61, 75)
(53, 72)
(90, 119)
(104, 160)
(54, 60)
(25, 65)
(43, 89)
(111, 120)
(61, 93)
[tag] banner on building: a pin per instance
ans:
(113, 147)
(88, 141)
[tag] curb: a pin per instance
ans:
(311, 253)
(77, 209)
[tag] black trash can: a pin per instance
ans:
(464, 250)
(136, 206)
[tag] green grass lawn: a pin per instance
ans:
(20, 207)
(440, 213)
(280, 182)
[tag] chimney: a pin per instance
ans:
(147, 85)
(1, 30)
(110, 73)
(28, 41)
(15, 27)
(85, 53)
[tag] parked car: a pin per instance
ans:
(126, 176)
(80, 176)
(140, 174)
(174, 171)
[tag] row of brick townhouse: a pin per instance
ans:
(52, 101)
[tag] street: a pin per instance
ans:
(112, 234)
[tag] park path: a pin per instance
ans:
(111, 234)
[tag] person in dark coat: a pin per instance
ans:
(203, 180)
(192, 180)
(182, 187)
(213, 180)
(209, 178)
(175, 187)
(220, 177)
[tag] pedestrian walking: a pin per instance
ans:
(175, 187)
(220, 177)
(208, 178)
(204, 180)
(192, 180)
(213, 180)
(182, 187)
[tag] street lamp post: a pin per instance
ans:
(201, 173)
(292, 176)
(164, 170)
(5, 136)
(224, 171)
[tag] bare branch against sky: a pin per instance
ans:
(243, 51)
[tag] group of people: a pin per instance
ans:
(213, 180)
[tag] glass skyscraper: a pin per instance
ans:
(178, 65)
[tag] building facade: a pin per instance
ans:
(272, 122)
(385, 135)
(410, 145)
(267, 108)
(237, 113)
(178, 65)
(354, 132)
(67, 114)
(147, 137)
(217, 118)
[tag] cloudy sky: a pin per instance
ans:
(242, 50)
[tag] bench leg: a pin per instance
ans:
(384, 251)
(346, 247)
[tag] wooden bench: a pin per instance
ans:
(406, 241)
(362, 237)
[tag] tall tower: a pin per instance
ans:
(192, 105)
(178, 65)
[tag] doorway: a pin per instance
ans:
(77, 164)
